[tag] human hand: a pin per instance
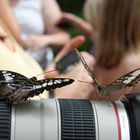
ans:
(78, 73)
(35, 41)
(67, 17)
(82, 87)
(77, 22)
(71, 45)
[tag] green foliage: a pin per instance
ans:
(73, 6)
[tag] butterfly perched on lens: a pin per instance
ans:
(128, 80)
(17, 88)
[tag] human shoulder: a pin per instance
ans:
(128, 63)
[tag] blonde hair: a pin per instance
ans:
(118, 25)
(119, 31)
(92, 11)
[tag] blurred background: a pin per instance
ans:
(75, 7)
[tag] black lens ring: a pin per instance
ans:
(5, 120)
(77, 120)
(133, 110)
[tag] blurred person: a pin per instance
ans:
(88, 24)
(39, 33)
(14, 58)
(118, 51)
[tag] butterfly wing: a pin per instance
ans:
(85, 64)
(128, 80)
(17, 88)
(21, 94)
(10, 82)
(53, 83)
(30, 89)
(10, 76)
(91, 74)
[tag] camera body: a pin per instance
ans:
(67, 119)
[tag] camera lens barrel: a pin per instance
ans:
(111, 121)
(65, 119)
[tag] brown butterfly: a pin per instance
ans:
(128, 80)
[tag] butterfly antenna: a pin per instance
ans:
(84, 81)
(87, 68)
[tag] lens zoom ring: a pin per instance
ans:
(5, 121)
(77, 120)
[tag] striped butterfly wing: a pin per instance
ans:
(21, 94)
(18, 88)
(91, 74)
(128, 80)
(15, 87)
(37, 87)
(53, 83)
(7, 78)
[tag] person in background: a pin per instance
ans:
(39, 33)
(14, 58)
(87, 26)
(118, 52)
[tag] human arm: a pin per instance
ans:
(77, 22)
(57, 16)
(51, 40)
(77, 73)
(53, 36)
(5, 38)
(52, 13)
(9, 19)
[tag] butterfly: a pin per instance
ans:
(17, 88)
(128, 80)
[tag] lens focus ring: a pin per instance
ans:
(5, 121)
(77, 120)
